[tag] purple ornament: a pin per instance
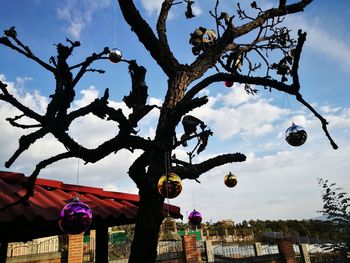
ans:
(195, 218)
(75, 217)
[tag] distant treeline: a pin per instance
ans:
(266, 229)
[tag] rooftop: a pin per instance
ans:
(38, 217)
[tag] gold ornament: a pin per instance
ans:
(230, 180)
(170, 188)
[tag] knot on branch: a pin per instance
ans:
(189, 12)
(138, 94)
(284, 66)
(136, 100)
(234, 60)
(190, 124)
(226, 17)
(11, 32)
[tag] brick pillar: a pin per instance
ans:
(209, 250)
(75, 248)
(286, 250)
(93, 242)
(190, 249)
(258, 249)
(304, 252)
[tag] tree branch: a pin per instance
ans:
(220, 77)
(323, 120)
(194, 171)
(6, 96)
(271, 13)
(21, 48)
(24, 142)
(290, 89)
(161, 24)
(295, 66)
(13, 122)
(84, 65)
(209, 58)
(162, 56)
(29, 185)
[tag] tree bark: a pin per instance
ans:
(144, 244)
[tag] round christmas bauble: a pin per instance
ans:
(75, 217)
(230, 180)
(195, 218)
(229, 84)
(169, 186)
(115, 55)
(296, 135)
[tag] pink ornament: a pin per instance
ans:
(229, 84)
(75, 217)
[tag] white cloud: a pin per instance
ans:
(279, 183)
(329, 46)
(239, 113)
(238, 96)
(152, 6)
(79, 14)
(329, 109)
(322, 41)
(196, 9)
(277, 180)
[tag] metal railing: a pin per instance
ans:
(55, 244)
(234, 251)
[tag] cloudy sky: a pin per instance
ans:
(277, 181)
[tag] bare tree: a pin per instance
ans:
(218, 57)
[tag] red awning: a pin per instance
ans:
(39, 216)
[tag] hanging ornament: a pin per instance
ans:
(170, 188)
(75, 217)
(229, 84)
(195, 218)
(115, 55)
(296, 135)
(230, 180)
(168, 230)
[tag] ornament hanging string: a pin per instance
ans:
(167, 171)
(193, 198)
(289, 107)
(116, 22)
(78, 173)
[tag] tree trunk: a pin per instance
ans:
(144, 244)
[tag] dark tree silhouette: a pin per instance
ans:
(336, 205)
(218, 57)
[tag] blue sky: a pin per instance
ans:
(276, 182)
